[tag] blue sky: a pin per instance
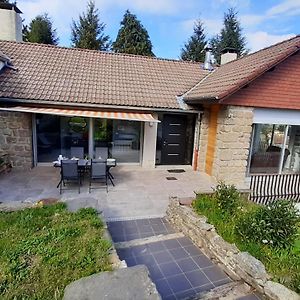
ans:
(170, 22)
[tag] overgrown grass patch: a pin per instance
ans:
(282, 264)
(43, 249)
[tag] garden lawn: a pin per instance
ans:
(43, 249)
(283, 265)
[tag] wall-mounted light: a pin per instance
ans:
(151, 124)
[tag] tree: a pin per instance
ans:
(132, 37)
(194, 48)
(40, 30)
(230, 36)
(88, 32)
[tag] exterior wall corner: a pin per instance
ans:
(233, 141)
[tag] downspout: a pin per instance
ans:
(197, 142)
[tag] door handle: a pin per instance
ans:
(165, 143)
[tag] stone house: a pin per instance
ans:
(240, 118)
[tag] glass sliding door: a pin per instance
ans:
(56, 135)
(275, 149)
(267, 148)
(292, 163)
(121, 137)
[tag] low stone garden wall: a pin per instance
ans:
(238, 265)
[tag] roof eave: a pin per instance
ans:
(91, 105)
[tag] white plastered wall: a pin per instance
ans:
(149, 146)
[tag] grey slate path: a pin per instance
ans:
(177, 267)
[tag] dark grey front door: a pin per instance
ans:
(173, 139)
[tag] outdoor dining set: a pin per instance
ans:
(75, 168)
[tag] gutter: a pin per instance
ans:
(116, 107)
(202, 100)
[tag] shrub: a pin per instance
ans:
(227, 197)
(274, 224)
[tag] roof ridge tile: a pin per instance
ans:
(104, 52)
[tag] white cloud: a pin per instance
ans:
(212, 26)
(261, 39)
(232, 3)
(69, 7)
(287, 7)
(252, 20)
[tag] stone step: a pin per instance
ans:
(231, 291)
(147, 240)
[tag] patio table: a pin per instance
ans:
(86, 164)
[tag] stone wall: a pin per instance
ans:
(238, 265)
(233, 144)
(16, 138)
(203, 140)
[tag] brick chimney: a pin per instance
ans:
(10, 22)
(227, 55)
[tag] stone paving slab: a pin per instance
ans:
(138, 192)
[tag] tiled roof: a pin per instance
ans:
(232, 76)
(278, 88)
(65, 75)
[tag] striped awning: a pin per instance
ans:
(131, 116)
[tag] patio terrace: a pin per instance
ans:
(138, 193)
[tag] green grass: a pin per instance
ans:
(283, 265)
(44, 249)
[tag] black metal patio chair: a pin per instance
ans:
(98, 172)
(101, 153)
(69, 173)
(77, 152)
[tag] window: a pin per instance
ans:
(275, 149)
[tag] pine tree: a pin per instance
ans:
(230, 36)
(88, 32)
(132, 37)
(40, 30)
(194, 48)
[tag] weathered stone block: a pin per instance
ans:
(277, 291)
(252, 266)
(124, 284)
